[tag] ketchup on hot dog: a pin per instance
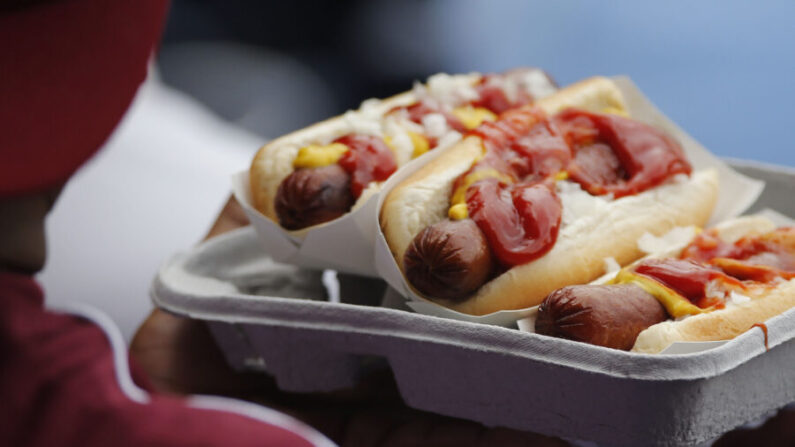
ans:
(520, 221)
(420, 109)
(604, 153)
(704, 279)
(688, 278)
(756, 258)
(328, 179)
(709, 268)
(368, 159)
(494, 98)
(617, 155)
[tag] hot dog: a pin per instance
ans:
(450, 259)
(604, 315)
(553, 190)
(292, 173)
(720, 285)
(312, 196)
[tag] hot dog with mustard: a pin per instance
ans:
(536, 199)
(727, 280)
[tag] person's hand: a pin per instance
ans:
(231, 218)
(178, 354)
(180, 357)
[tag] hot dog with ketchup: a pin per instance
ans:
(320, 173)
(724, 282)
(535, 200)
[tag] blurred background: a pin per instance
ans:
(231, 74)
(723, 70)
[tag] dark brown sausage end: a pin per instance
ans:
(604, 315)
(310, 196)
(448, 260)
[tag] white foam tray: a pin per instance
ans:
(493, 375)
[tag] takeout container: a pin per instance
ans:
(315, 333)
(493, 375)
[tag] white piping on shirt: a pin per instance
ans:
(136, 394)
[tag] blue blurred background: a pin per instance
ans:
(723, 70)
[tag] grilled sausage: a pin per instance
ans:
(310, 196)
(448, 260)
(604, 315)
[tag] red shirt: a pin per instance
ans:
(61, 385)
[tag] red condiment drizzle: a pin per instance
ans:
(419, 109)
(368, 159)
(542, 152)
(510, 126)
(752, 259)
(617, 155)
(492, 97)
(706, 246)
(520, 221)
(686, 277)
(758, 258)
(762, 326)
(611, 154)
(748, 271)
(519, 146)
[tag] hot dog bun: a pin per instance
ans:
(274, 161)
(592, 229)
(727, 323)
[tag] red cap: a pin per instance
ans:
(68, 71)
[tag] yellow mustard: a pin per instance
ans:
(616, 111)
(676, 305)
(472, 117)
(388, 141)
(458, 211)
(315, 156)
(420, 143)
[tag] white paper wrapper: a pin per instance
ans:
(344, 244)
(777, 218)
(737, 193)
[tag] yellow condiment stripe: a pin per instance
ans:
(472, 117)
(620, 111)
(420, 143)
(675, 304)
(458, 211)
(316, 156)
